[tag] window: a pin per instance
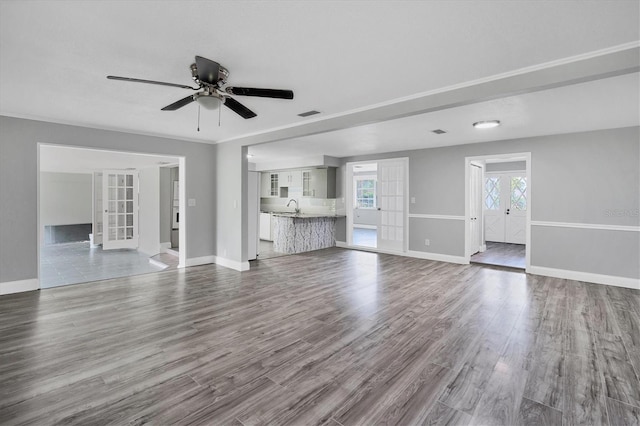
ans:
(365, 192)
(492, 191)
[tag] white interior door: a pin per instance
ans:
(120, 206)
(475, 188)
(96, 228)
(505, 207)
(494, 208)
(391, 200)
(516, 214)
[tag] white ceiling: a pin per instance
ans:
(600, 104)
(64, 159)
(336, 56)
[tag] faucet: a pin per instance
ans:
(297, 210)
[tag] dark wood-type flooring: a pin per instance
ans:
(332, 337)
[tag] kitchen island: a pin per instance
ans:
(303, 232)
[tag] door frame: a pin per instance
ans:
(349, 205)
(182, 173)
(517, 156)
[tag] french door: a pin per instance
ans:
(475, 208)
(120, 206)
(505, 207)
(391, 200)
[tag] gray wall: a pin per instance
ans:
(365, 217)
(66, 198)
(19, 139)
(576, 178)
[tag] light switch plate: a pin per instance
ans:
(191, 202)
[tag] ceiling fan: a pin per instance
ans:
(211, 78)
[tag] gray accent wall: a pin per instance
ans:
(19, 140)
(588, 177)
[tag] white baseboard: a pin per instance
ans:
(232, 264)
(586, 277)
(227, 263)
(411, 253)
(9, 287)
(196, 261)
(438, 256)
(165, 246)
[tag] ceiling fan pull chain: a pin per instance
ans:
(219, 115)
(198, 117)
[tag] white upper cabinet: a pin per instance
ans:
(290, 179)
(269, 185)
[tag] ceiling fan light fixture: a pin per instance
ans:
(207, 101)
(488, 124)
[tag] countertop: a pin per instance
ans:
(303, 215)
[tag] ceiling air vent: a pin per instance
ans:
(308, 113)
(438, 131)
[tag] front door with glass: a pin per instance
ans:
(505, 207)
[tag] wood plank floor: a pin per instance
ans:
(333, 337)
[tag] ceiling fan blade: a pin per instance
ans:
(263, 93)
(179, 104)
(238, 108)
(208, 70)
(161, 83)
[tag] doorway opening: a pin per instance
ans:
(499, 210)
(106, 214)
(376, 205)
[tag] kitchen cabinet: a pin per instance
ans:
(265, 227)
(270, 184)
(319, 183)
(290, 179)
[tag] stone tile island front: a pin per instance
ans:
(303, 232)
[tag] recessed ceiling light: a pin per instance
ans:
(486, 124)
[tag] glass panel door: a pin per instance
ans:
(120, 218)
(391, 196)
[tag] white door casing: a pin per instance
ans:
(120, 207)
(391, 195)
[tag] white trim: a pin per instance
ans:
(496, 77)
(612, 280)
(165, 246)
(410, 253)
(196, 261)
(362, 226)
(227, 263)
(586, 226)
(438, 257)
(158, 263)
(519, 156)
(9, 287)
(435, 216)
(232, 264)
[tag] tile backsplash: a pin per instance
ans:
(306, 205)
